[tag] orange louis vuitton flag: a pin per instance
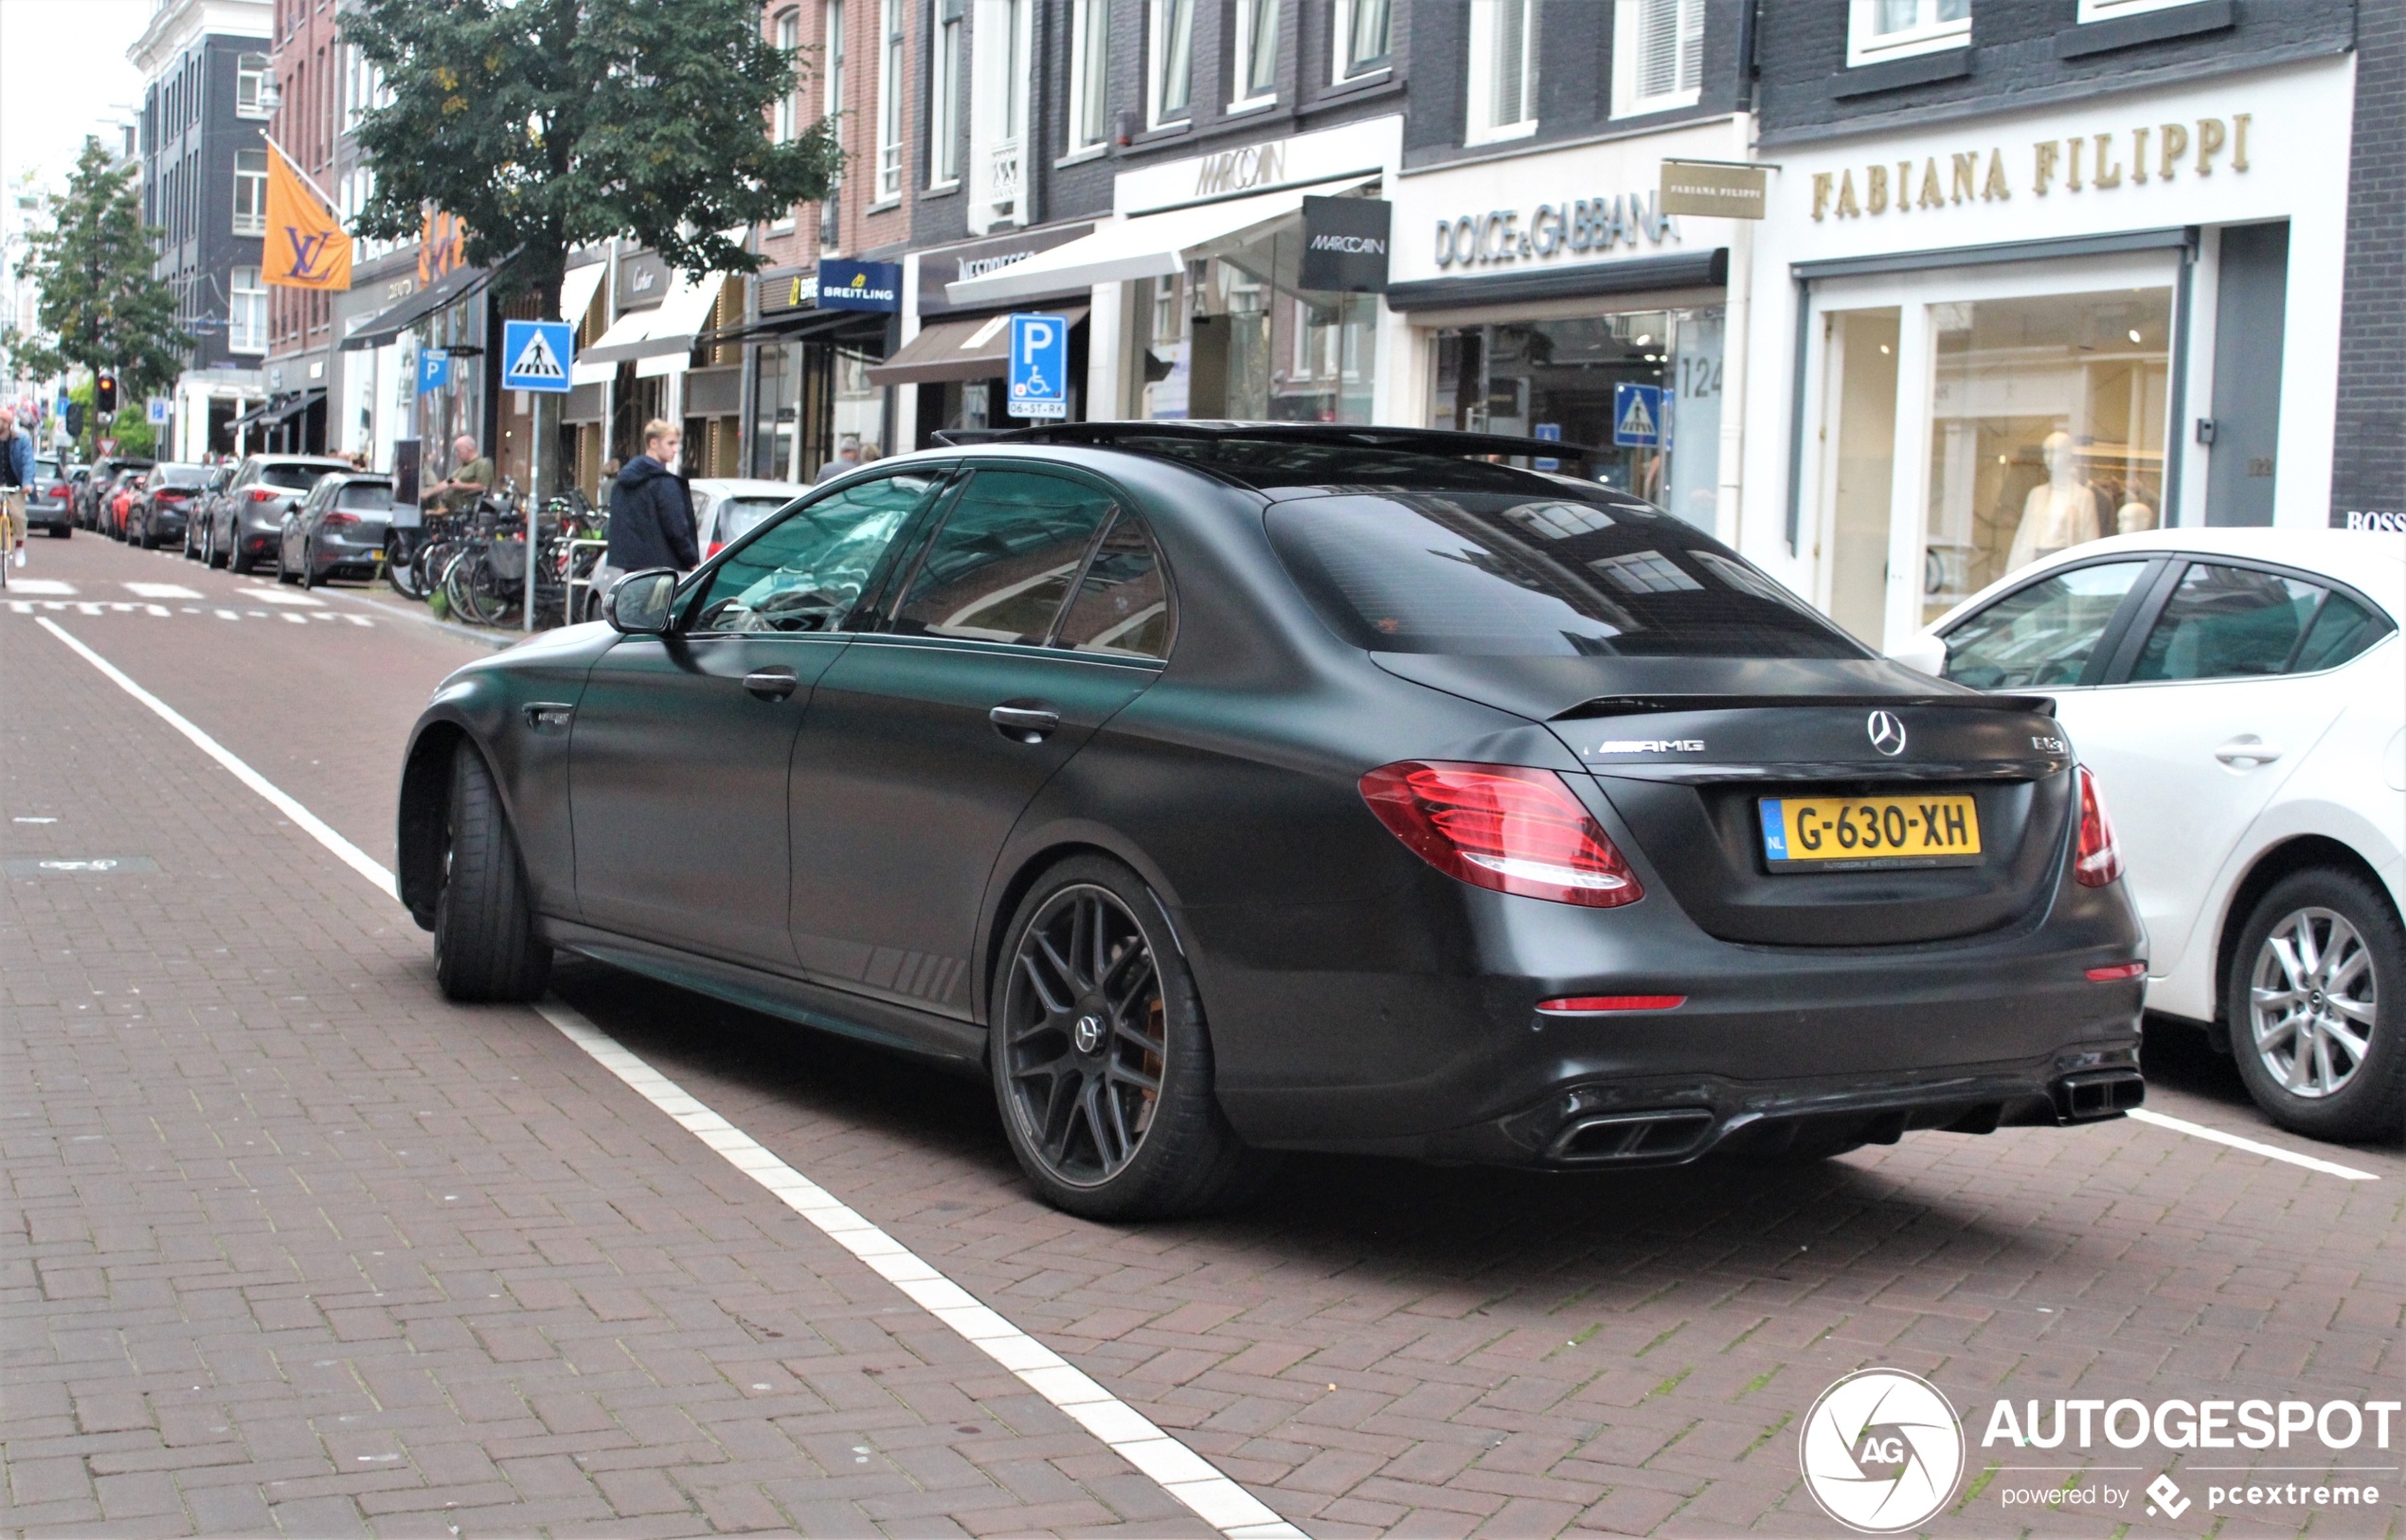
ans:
(306, 247)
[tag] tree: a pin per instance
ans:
(101, 307)
(549, 124)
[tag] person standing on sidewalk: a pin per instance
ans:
(650, 511)
(16, 480)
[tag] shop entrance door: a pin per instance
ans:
(2252, 295)
(1859, 465)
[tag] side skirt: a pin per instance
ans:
(956, 1043)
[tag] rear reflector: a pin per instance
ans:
(1502, 827)
(1587, 1005)
(2119, 971)
(340, 521)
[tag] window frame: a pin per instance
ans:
(2137, 600)
(833, 43)
(892, 65)
(1929, 35)
(240, 339)
(1629, 99)
(1486, 18)
(2105, 11)
(2131, 644)
(256, 75)
(255, 184)
(1089, 79)
(1344, 70)
(944, 96)
(1156, 16)
(1240, 34)
(785, 117)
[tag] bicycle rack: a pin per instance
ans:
(568, 602)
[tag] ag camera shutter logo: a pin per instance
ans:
(1882, 1451)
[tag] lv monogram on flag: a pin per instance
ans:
(306, 247)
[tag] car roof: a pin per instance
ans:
(2371, 561)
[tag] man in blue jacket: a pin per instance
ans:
(650, 511)
(16, 485)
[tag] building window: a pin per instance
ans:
(786, 124)
(1171, 61)
(889, 105)
(944, 99)
(250, 192)
(1365, 45)
(1877, 29)
(833, 50)
(250, 85)
(2104, 11)
(1657, 56)
(1503, 92)
(246, 311)
(1090, 74)
(1256, 56)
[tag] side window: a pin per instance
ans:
(1123, 603)
(1003, 562)
(2041, 634)
(2225, 622)
(804, 572)
(2343, 628)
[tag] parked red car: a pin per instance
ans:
(128, 486)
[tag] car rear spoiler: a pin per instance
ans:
(1630, 705)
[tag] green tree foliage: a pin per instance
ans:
(549, 124)
(100, 307)
(131, 427)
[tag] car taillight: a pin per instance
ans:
(2114, 973)
(2099, 861)
(166, 496)
(1502, 827)
(262, 494)
(340, 521)
(716, 546)
(1594, 1004)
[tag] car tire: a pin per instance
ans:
(309, 577)
(283, 573)
(2320, 974)
(1072, 1065)
(486, 945)
(236, 562)
(210, 556)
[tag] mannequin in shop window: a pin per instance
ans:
(2060, 511)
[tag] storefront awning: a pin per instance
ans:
(280, 409)
(669, 326)
(970, 349)
(1146, 246)
(576, 289)
(864, 329)
(407, 311)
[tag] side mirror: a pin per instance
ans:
(637, 604)
(1925, 652)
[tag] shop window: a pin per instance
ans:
(2047, 430)
(1646, 384)
(1170, 69)
(1503, 102)
(944, 98)
(889, 105)
(246, 311)
(1089, 74)
(1364, 38)
(1255, 59)
(1658, 55)
(1879, 30)
(250, 192)
(250, 85)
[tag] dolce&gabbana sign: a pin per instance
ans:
(1587, 227)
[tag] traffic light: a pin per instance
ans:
(75, 420)
(104, 395)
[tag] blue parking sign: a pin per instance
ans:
(1636, 416)
(1039, 383)
(535, 356)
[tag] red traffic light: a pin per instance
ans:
(105, 393)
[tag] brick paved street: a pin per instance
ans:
(293, 1246)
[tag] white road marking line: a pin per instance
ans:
(1179, 1471)
(227, 615)
(296, 619)
(310, 823)
(162, 590)
(41, 586)
(278, 596)
(2200, 1130)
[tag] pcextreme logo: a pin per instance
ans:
(1882, 1451)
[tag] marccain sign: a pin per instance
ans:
(1233, 171)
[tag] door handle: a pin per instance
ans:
(2247, 749)
(1024, 723)
(771, 684)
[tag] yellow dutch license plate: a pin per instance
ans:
(375, 556)
(1861, 833)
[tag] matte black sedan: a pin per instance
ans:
(336, 531)
(157, 514)
(1227, 788)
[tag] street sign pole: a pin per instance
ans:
(536, 355)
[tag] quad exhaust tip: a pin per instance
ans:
(2100, 1094)
(1634, 1136)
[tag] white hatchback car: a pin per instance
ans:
(2241, 695)
(727, 508)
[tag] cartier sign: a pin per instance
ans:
(1590, 227)
(2083, 162)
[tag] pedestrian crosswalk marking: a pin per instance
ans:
(40, 585)
(123, 606)
(162, 590)
(537, 362)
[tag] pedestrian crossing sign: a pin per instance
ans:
(536, 354)
(1636, 416)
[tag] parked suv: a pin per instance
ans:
(157, 513)
(1221, 788)
(204, 503)
(246, 524)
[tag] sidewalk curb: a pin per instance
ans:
(498, 641)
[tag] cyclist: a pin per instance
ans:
(16, 481)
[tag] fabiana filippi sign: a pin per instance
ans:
(2080, 163)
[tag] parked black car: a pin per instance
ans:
(246, 521)
(92, 493)
(338, 530)
(158, 512)
(1228, 788)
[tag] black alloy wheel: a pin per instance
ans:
(2316, 1003)
(1101, 1060)
(309, 577)
(487, 946)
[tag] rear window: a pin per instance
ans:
(1271, 463)
(366, 497)
(1508, 575)
(179, 475)
(740, 516)
(294, 477)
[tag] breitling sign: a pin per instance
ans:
(2082, 162)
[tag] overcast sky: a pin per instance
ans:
(63, 75)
